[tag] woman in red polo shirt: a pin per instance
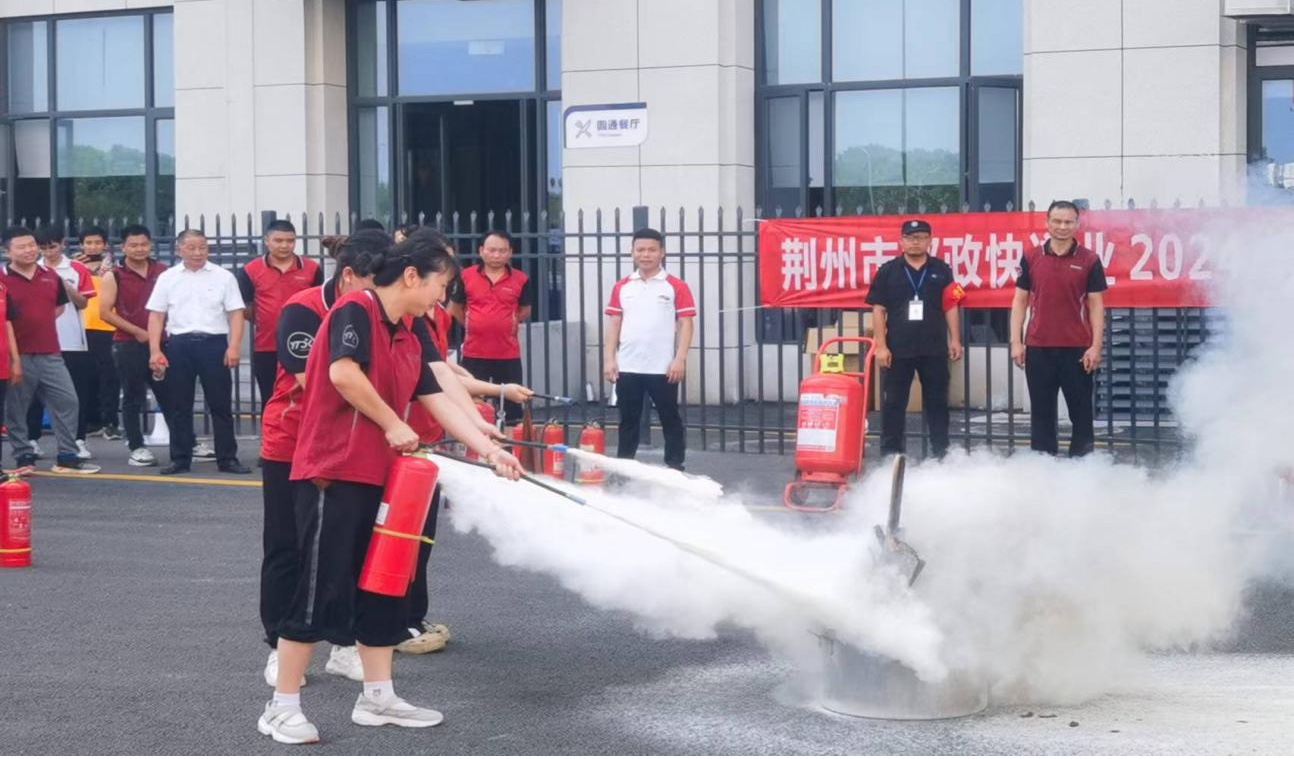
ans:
(363, 369)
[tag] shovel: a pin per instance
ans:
(894, 550)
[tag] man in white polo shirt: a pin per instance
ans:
(201, 309)
(648, 335)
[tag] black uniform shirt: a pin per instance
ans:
(892, 289)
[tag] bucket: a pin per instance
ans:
(859, 684)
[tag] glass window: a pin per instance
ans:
(895, 39)
(997, 38)
(897, 149)
(374, 163)
(1278, 122)
(5, 160)
(448, 46)
(784, 166)
(101, 168)
(371, 55)
(817, 153)
(793, 41)
(553, 42)
(32, 177)
(100, 62)
(165, 190)
(28, 43)
(997, 146)
(163, 61)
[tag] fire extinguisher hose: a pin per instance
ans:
(405, 535)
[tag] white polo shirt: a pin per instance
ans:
(650, 308)
(196, 301)
(70, 328)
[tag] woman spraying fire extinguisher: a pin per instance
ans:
(365, 364)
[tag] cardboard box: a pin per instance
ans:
(849, 325)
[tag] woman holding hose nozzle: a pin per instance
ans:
(365, 366)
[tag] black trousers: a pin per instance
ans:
(81, 368)
(419, 593)
(104, 392)
(498, 371)
(197, 358)
(896, 387)
(631, 389)
(279, 561)
(265, 365)
(334, 525)
(131, 359)
(1048, 370)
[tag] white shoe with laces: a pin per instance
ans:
(82, 452)
(203, 451)
(142, 457)
(36, 451)
(344, 662)
(272, 671)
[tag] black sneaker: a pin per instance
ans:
(175, 469)
(234, 467)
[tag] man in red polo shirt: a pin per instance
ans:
(492, 303)
(39, 296)
(266, 284)
(1059, 286)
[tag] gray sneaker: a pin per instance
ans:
(396, 712)
(203, 451)
(287, 724)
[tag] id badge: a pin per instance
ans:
(916, 311)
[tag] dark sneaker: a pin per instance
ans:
(234, 467)
(175, 469)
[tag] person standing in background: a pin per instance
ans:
(104, 392)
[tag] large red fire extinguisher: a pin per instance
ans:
(554, 461)
(15, 523)
(594, 440)
(830, 427)
(397, 531)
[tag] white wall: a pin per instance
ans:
(1135, 99)
(11, 8)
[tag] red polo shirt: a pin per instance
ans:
(35, 300)
(5, 311)
(429, 430)
(133, 292)
(492, 312)
(298, 324)
(1058, 288)
(265, 288)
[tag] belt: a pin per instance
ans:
(195, 336)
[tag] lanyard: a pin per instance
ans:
(916, 284)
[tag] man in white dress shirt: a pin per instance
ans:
(199, 306)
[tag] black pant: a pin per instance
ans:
(136, 378)
(419, 593)
(630, 391)
(334, 526)
(265, 365)
(1048, 370)
(896, 386)
(279, 561)
(194, 358)
(498, 371)
(103, 393)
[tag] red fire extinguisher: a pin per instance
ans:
(554, 461)
(397, 531)
(15, 523)
(594, 440)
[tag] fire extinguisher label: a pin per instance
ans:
(20, 521)
(818, 421)
(382, 512)
(559, 464)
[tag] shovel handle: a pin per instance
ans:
(896, 493)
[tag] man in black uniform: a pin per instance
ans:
(917, 330)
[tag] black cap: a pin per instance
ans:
(913, 226)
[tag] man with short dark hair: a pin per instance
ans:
(38, 296)
(105, 391)
(917, 330)
(649, 332)
(198, 304)
(1059, 287)
(266, 283)
(492, 302)
(71, 331)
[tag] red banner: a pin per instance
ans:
(1154, 258)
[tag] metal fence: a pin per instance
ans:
(741, 388)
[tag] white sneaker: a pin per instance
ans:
(142, 457)
(395, 712)
(82, 452)
(203, 451)
(36, 451)
(287, 724)
(272, 671)
(344, 662)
